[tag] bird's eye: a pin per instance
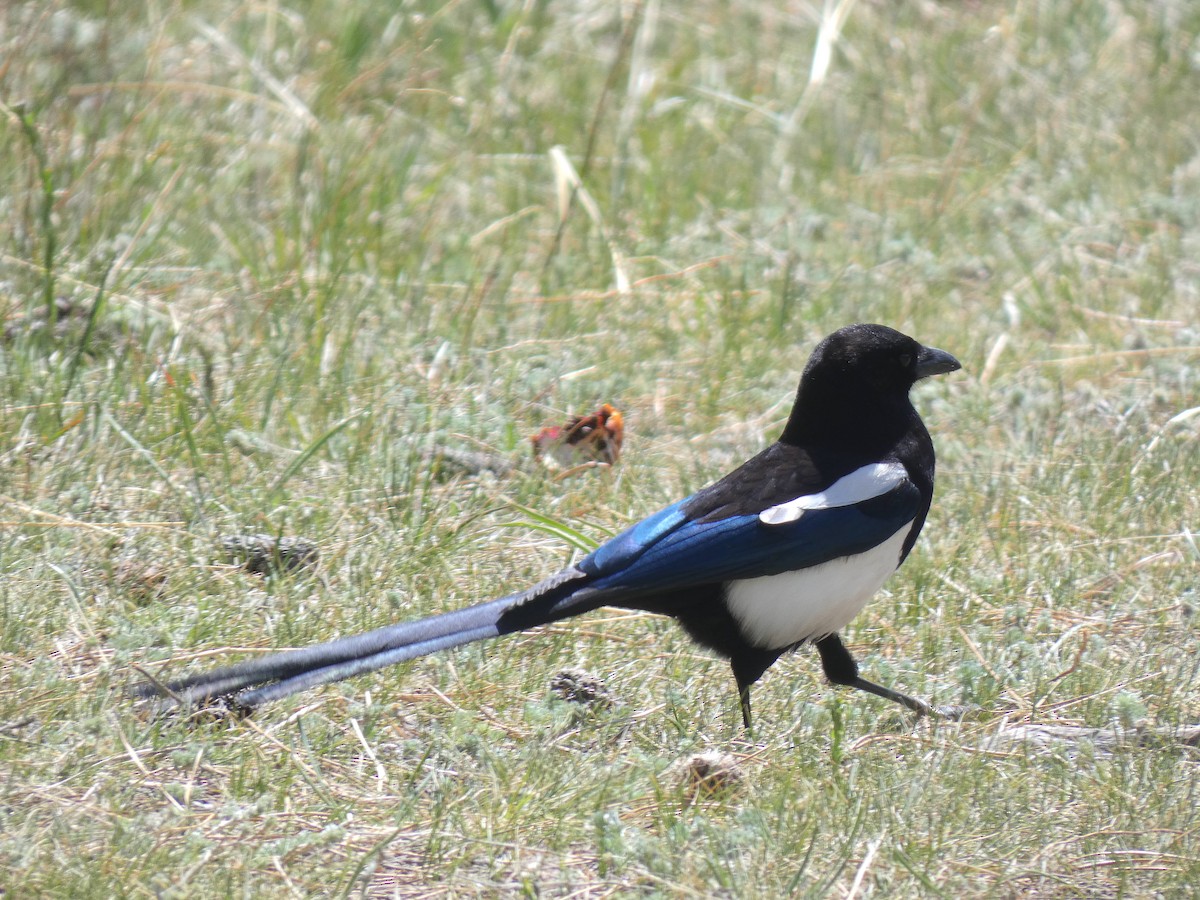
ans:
(905, 360)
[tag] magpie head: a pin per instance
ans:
(886, 359)
(864, 372)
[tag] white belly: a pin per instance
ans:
(781, 610)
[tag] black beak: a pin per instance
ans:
(932, 361)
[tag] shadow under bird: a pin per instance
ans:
(783, 551)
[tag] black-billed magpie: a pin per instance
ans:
(785, 550)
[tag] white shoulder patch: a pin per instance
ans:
(870, 481)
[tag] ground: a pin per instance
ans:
(262, 264)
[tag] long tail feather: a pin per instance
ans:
(349, 669)
(279, 675)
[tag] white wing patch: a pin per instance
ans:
(780, 610)
(870, 481)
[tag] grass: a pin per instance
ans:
(258, 259)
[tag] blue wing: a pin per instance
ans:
(667, 550)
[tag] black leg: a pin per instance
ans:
(748, 668)
(840, 668)
(744, 699)
(745, 676)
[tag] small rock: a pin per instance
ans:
(580, 686)
(263, 554)
(708, 774)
